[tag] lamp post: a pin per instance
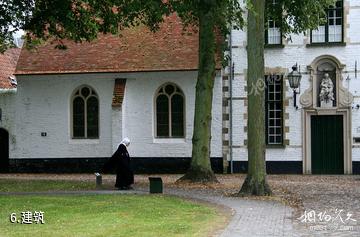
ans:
(294, 78)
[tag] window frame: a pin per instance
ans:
(281, 102)
(72, 98)
(179, 92)
(326, 41)
(267, 44)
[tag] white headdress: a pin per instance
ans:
(126, 141)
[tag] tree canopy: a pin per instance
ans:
(297, 16)
(82, 20)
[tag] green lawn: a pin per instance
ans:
(108, 215)
(101, 215)
(16, 185)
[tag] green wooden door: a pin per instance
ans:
(327, 144)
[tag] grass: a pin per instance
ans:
(101, 215)
(109, 215)
(17, 185)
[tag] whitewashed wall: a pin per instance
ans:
(43, 105)
(138, 115)
(296, 51)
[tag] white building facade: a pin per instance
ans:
(312, 138)
(72, 108)
(42, 132)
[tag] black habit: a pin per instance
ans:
(121, 161)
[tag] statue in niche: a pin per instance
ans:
(326, 95)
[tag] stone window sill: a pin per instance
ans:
(280, 146)
(169, 140)
(326, 44)
(274, 46)
(84, 141)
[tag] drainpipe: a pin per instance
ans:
(232, 65)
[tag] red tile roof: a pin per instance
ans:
(137, 49)
(7, 67)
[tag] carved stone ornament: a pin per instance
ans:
(306, 99)
(345, 97)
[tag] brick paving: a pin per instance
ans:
(331, 197)
(251, 218)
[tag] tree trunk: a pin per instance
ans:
(255, 182)
(200, 168)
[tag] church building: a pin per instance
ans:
(67, 110)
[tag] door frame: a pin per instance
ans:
(7, 162)
(307, 113)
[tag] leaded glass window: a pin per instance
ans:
(332, 30)
(170, 112)
(273, 34)
(85, 113)
(274, 109)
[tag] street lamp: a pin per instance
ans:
(294, 78)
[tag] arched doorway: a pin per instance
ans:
(4, 150)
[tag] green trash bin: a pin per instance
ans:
(156, 185)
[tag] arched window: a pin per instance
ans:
(170, 112)
(85, 113)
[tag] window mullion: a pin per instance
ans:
(267, 33)
(85, 119)
(342, 27)
(342, 21)
(266, 110)
(327, 27)
(281, 107)
(170, 125)
(171, 94)
(274, 110)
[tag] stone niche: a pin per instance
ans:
(326, 89)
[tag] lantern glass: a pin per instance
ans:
(294, 78)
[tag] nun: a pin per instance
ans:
(121, 161)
